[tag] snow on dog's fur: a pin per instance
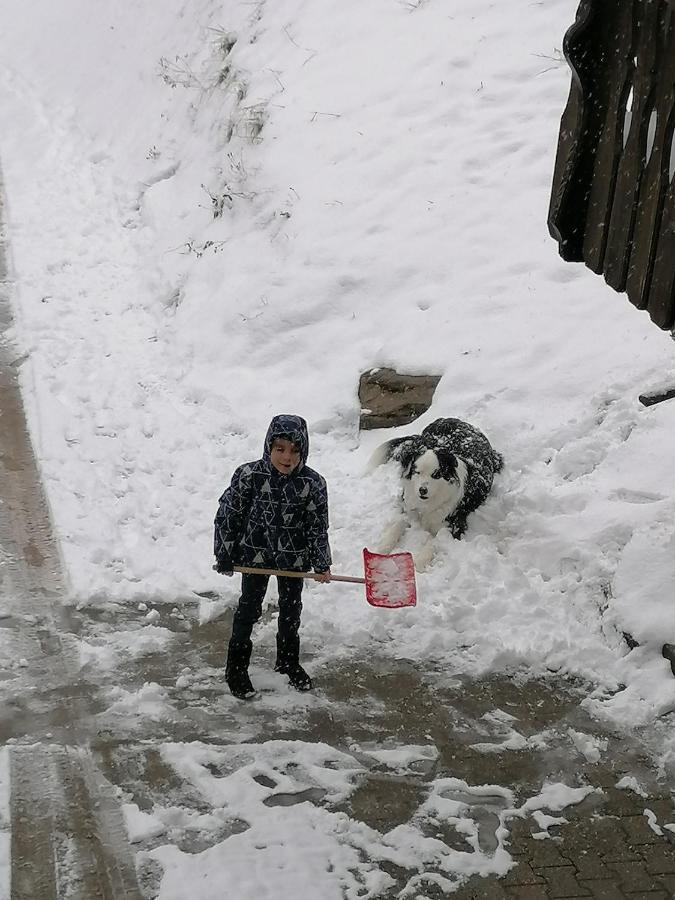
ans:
(447, 472)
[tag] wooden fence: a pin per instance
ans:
(613, 195)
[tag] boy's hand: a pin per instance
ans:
(223, 566)
(323, 577)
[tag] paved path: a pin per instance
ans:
(614, 844)
(608, 850)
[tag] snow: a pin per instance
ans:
(588, 745)
(556, 796)
(545, 822)
(150, 702)
(402, 760)
(219, 213)
(140, 825)
(630, 783)
(652, 822)
(241, 781)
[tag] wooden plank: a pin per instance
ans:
(655, 179)
(661, 304)
(662, 289)
(633, 158)
(617, 74)
(569, 190)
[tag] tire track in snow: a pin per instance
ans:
(67, 832)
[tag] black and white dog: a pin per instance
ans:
(447, 472)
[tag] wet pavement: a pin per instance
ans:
(76, 751)
(500, 731)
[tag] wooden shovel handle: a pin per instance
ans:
(250, 570)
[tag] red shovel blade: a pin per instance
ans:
(390, 579)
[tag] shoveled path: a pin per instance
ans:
(614, 844)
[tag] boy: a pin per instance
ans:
(274, 515)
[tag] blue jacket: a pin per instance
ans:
(269, 520)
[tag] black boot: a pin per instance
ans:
(236, 669)
(288, 662)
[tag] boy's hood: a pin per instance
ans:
(294, 428)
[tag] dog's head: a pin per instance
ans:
(436, 477)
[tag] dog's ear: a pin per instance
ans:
(384, 453)
(447, 462)
(406, 453)
(401, 450)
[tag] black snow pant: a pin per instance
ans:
(249, 610)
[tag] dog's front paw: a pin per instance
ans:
(424, 557)
(391, 537)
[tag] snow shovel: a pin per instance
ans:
(389, 578)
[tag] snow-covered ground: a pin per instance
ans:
(222, 211)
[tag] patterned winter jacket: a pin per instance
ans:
(270, 520)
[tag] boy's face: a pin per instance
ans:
(284, 456)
